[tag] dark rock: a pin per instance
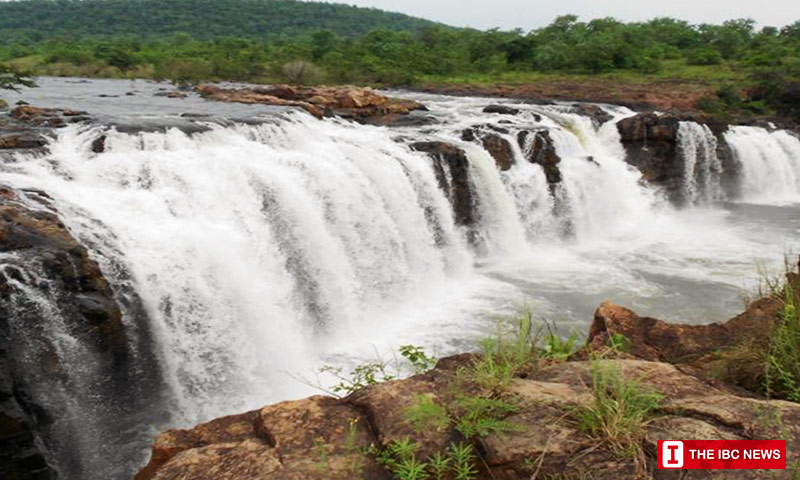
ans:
(539, 148)
(99, 144)
(501, 109)
(651, 145)
(396, 120)
(597, 114)
(458, 190)
(499, 148)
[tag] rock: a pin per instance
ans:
(597, 114)
(499, 148)
(312, 438)
(399, 120)
(501, 109)
(3, 104)
(21, 140)
(177, 94)
(539, 148)
(343, 101)
(46, 117)
(455, 183)
(707, 349)
(307, 437)
(43, 257)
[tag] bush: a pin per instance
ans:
(301, 72)
(783, 360)
(704, 56)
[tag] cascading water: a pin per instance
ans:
(264, 248)
(702, 168)
(769, 162)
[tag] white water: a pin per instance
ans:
(770, 163)
(262, 252)
(702, 168)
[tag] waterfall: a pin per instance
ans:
(258, 249)
(603, 193)
(702, 168)
(770, 164)
(253, 246)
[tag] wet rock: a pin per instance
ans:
(501, 109)
(499, 148)
(46, 259)
(398, 120)
(455, 183)
(99, 144)
(595, 112)
(651, 145)
(540, 149)
(21, 140)
(344, 101)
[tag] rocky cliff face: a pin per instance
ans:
(323, 437)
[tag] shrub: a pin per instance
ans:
(301, 72)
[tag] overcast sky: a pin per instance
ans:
(529, 14)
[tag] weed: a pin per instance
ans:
(559, 348)
(620, 411)
(619, 343)
(463, 458)
(419, 360)
(440, 465)
(361, 376)
(480, 416)
(783, 360)
(426, 414)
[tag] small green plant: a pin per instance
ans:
(481, 416)
(361, 376)
(426, 414)
(619, 343)
(463, 458)
(512, 350)
(440, 465)
(783, 360)
(620, 410)
(559, 348)
(355, 453)
(417, 357)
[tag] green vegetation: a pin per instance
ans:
(737, 69)
(620, 410)
(203, 19)
(783, 360)
(400, 458)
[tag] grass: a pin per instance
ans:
(400, 459)
(783, 360)
(620, 410)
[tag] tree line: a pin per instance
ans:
(767, 60)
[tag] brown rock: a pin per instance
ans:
(499, 148)
(345, 101)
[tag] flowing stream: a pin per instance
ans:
(263, 250)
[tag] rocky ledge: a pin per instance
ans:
(357, 103)
(533, 424)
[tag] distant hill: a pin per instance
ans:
(42, 19)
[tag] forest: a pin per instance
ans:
(751, 68)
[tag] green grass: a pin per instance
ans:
(620, 410)
(783, 359)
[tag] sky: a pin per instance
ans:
(530, 14)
